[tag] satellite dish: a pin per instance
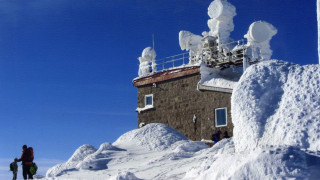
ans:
(215, 9)
(221, 10)
(149, 54)
(261, 31)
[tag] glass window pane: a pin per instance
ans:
(149, 100)
(221, 117)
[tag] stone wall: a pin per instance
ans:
(175, 103)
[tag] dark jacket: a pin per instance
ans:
(25, 157)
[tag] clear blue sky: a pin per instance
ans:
(66, 66)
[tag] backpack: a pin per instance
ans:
(30, 154)
(12, 166)
(33, 168)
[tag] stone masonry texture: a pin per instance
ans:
(176, 101)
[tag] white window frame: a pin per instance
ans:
(215, 115)
(145, 99)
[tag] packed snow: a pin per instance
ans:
(217, 78)
(275, 112)
(277, 103)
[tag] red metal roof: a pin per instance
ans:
(166, 75)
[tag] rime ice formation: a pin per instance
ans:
(318, 20)
(192, 43)
(277, 103)
(148, 56)
(221, 25)
(215, 48)
(258, 37)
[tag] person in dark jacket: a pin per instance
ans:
(226, 135)
(216, 137)
(26, 162)
(14, 168)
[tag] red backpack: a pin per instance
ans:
(30, 154)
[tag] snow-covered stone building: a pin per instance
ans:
(191, 92)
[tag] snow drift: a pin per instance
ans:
(81, 153)
(155, 137)
(277, 103)
(275, 112)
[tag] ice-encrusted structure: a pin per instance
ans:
(192, 43)
(221, 25)
(258, 38)
(216, 49)
(147, 62)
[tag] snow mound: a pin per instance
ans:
(154, 137)
(125, 176)
(99, 159)
(190, 146)
(81, 153)
(277, 103)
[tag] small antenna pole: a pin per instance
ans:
(153, 41)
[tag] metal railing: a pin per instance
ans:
(217, 58)
(172, 61)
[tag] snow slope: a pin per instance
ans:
(277, 103)
(275, 110)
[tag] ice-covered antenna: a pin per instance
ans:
(153, 41)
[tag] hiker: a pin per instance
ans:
(27, 159)
(216, 137)
(226, 135)
(14, 168)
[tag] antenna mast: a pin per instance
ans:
(153, 41)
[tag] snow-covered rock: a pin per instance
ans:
(277, 103)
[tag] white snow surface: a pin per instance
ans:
(277, 103)
(215, 77)
(275, 110)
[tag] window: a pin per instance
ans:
(221, 117)
(148, 100)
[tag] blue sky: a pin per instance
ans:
(66, 66)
